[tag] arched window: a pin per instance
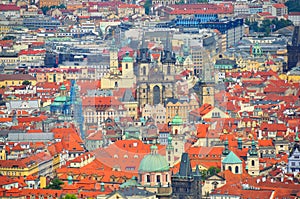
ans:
(252, 163)
(144, 70)
(148, 178)
(126, 66)
(156, 95)
(229, 168)
(236, 169)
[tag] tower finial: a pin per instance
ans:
(297, 136)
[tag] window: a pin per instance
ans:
(229, 168)
(158, 178)
(236, 169)
(148, 178)
(252, 163)
(126, 66)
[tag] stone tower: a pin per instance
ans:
(207, 84)
(186, 184)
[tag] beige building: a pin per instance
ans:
(211, 183)
(125, 10)
(117, 78)
(157, 112)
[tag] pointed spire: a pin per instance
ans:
(185, 169)
(143, 41)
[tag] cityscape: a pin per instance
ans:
(146, 99)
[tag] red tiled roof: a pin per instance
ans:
(16, 77)
(100, 100)
(265, 143)
(9, 7)
(279, 5)
(32, 52)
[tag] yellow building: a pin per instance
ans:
(292, 75)
(16, 79)
(3, 155)
(17, 168)
(176, 107)
(50, 3)
(56, 162)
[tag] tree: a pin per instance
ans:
(45, 9)
(70, 196)
(9, 37)
(62, 6)
(55, 184)
(26, 82)
(213, 170)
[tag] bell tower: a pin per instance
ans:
(252, 160)
(113, 59)
(207, 84)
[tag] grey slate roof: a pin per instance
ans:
(30, 137)
(127, 97)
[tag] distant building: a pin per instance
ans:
(279, 10)
(295, 18)
(45, 22)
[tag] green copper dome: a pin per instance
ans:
(154, 163)
(256, 50)
(127, 58)
(177, 120)
(63, 87)
(231, 158)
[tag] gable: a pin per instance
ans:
(215, 113)
(215, 178)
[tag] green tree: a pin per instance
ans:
(9, 37)
(70, 196)
(45, 9)
(55, 184)
(213, 170)
(62, 6)
(26, 82)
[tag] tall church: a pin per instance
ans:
(294, 50)
(155, 79)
